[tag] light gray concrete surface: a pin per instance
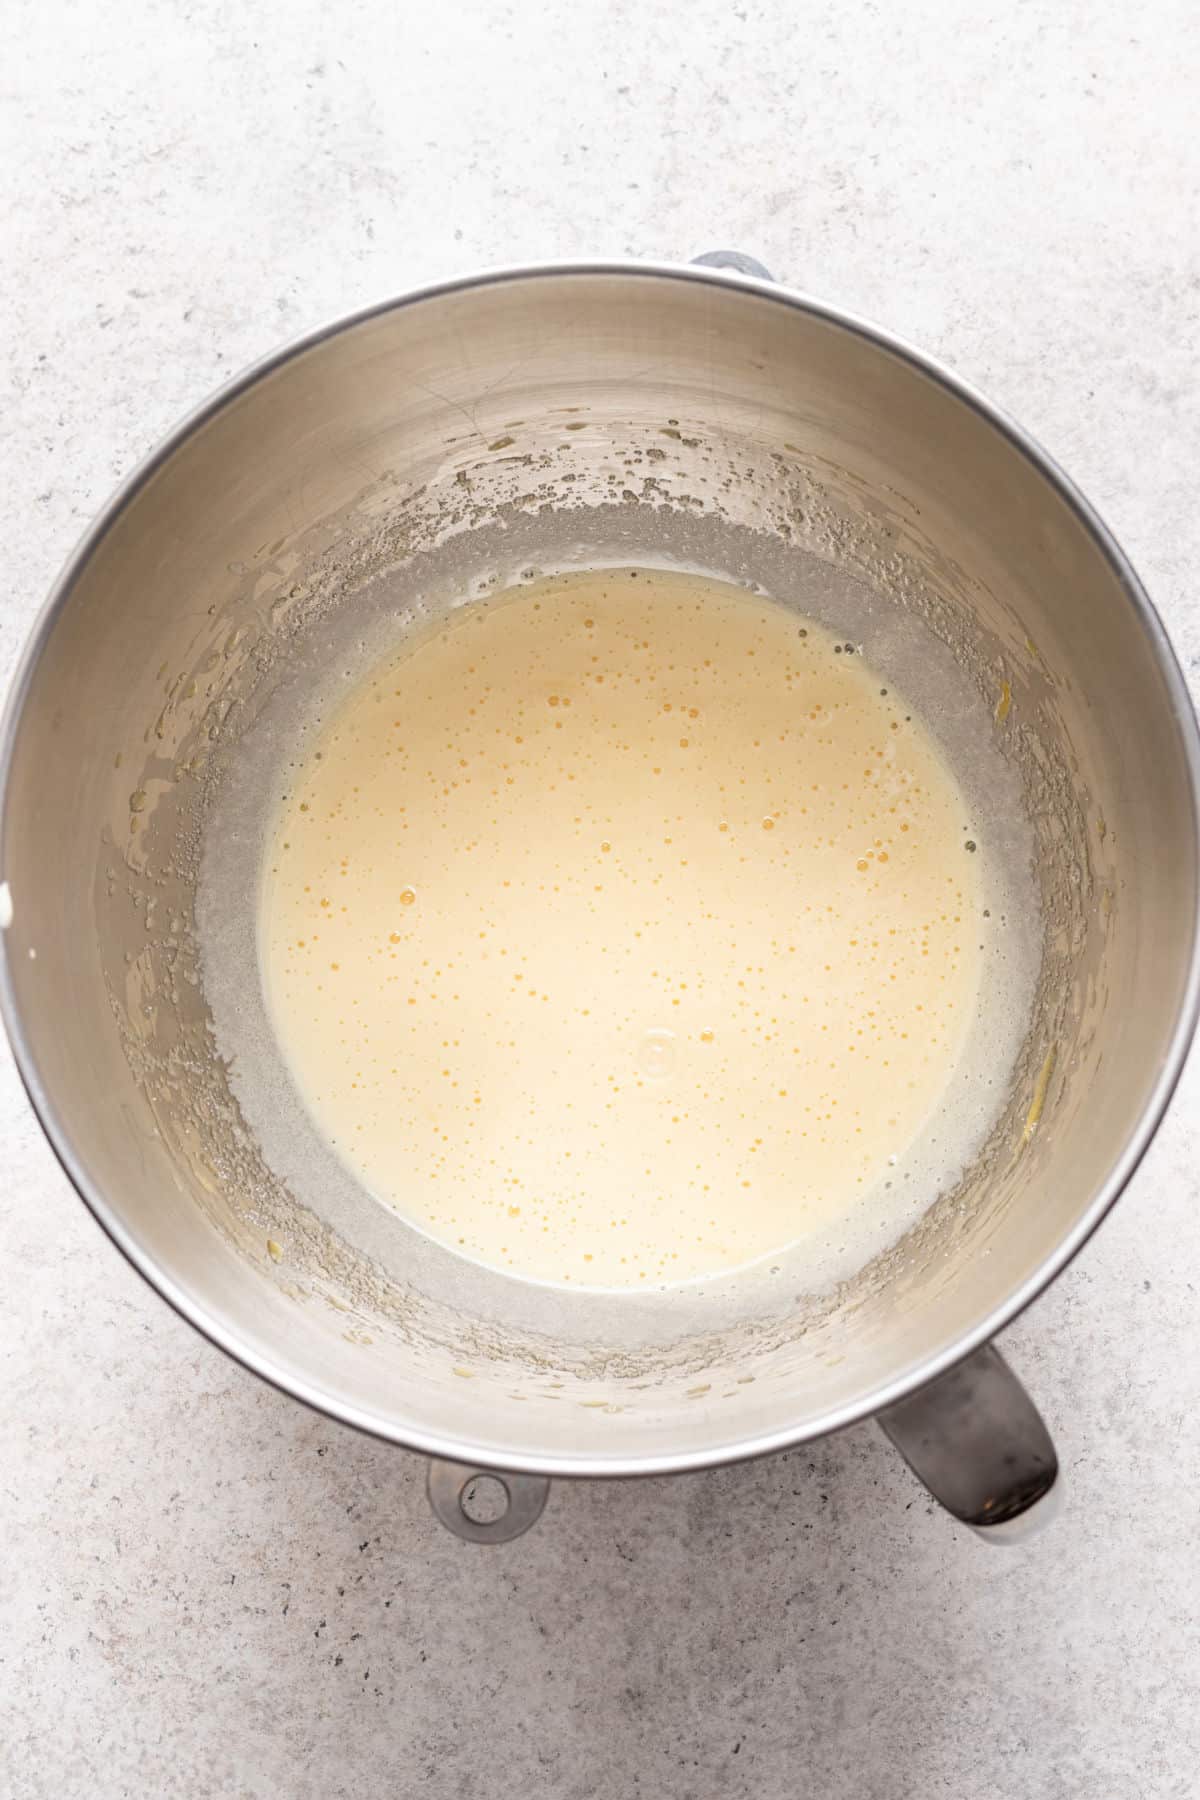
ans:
(205, 1590)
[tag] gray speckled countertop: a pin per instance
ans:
(205, 1590)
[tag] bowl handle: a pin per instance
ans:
(978, 1443)
(454, 1487)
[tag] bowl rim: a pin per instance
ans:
(883, 1393)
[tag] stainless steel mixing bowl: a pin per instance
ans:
(447, 437)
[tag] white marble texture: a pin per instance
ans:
(205, 1590)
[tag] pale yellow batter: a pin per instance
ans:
(622, 931)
